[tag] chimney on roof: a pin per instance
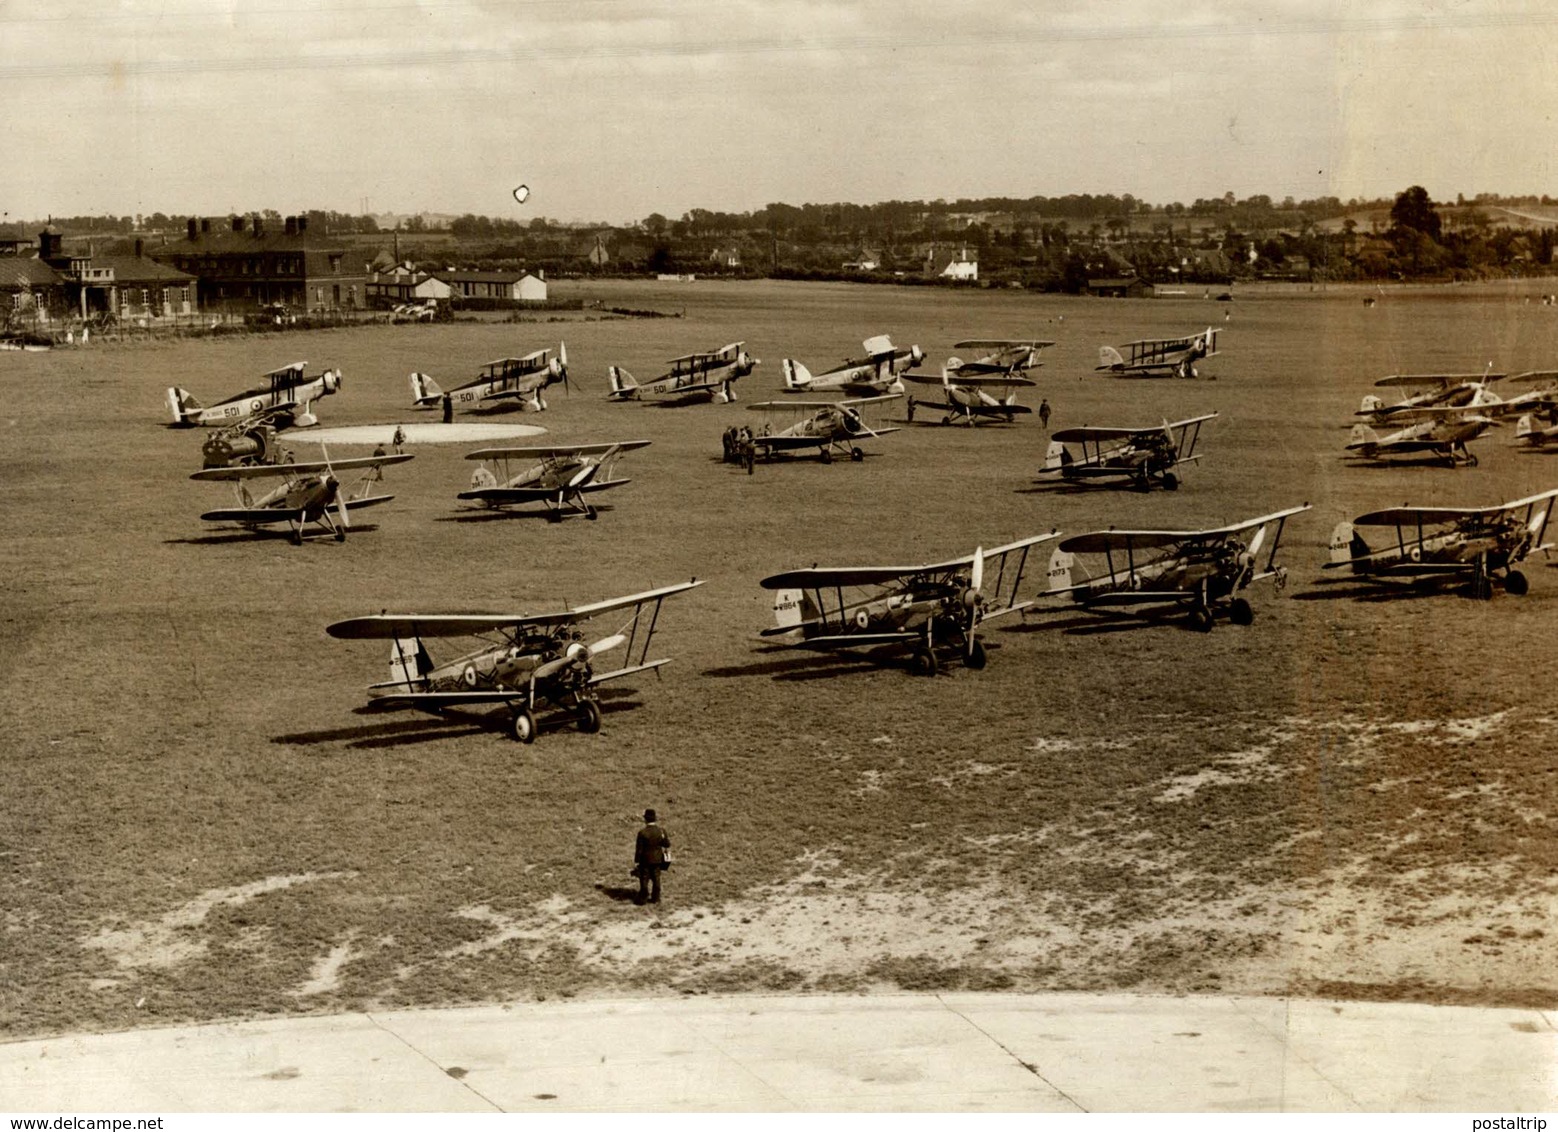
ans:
(140, 248)
(259, 226)
(292, 226)
(205, 224)
(302, 224)
(194, 229)
(237, 223)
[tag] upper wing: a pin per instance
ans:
(555, 450)
(1002, 344)
(975, 374)
(385, 626)
(308, 468)
(826, 577)
(1088, 433)
(1441, 380)
(1105, 542)
(1429, 516)
(724, 354)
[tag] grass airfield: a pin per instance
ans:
(1351, 798)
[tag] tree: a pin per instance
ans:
(1413, 209)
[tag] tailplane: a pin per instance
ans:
(796, 376)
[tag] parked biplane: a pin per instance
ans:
(560, 476)
(312, 493)
(287, 393)
(520, 380)
(1202, 572)
(878, 372)
(1480, 546)
(1442, 432)
(925, 609)
(1159, 357)
(827, 426)
(1141, 456)
(526, 661)
(1533, 431)
(1006, 355)
(1437, 390)
(972, 396)
(706, 376)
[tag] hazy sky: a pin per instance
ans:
(613, 109)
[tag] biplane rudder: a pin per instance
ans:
(796, 376)
(1371, 404)
(409, 663)
(1363, 437)
(1061, 563)
(1525, 429)
(1347, 543)
(1109, 358)
(623, 384)
(1057, 457)
(181, 406)
(424, 390)
(793, 608)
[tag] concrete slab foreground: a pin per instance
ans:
(960, 1052)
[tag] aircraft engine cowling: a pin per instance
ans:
(332, 381)
(916, 356)
(226, 449)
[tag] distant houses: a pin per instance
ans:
(957, 266)
(249, 263)
(40, 282)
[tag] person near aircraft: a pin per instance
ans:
(1044, 411)
(650, 858)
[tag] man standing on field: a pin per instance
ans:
(650, 858)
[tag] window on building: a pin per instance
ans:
(335, 265)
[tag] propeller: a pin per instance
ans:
(972, 598)
(562, 367)
(333, 490)
(606, 644)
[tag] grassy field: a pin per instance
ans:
(1352, 797)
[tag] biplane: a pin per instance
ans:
(312, 494)
(1540, 403)
(828, 426)
(1534, 432)
(1438, 390)
(1159, 357)
(1006, 355)
(520, 380)
(970, 397)
(560, 476)
(926, 609)
(1142, 456)
(706, 376)
(1441, 432)
(1444, 545)
(287, 393)
(526, 661)
(1202, 572)
(878, 372)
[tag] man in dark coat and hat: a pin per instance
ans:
(650, 857)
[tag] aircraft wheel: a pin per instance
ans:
(340, 535)
(297, 538)
(1201, 619)
(592, 514)
(1240, 612)
(523, 725)
(1515, 583)
(856, 455)
(923, 662)
(1142, 483)
(1170, 481)
(827, 457)
(554, 516)
(976, 658)
(589, 717)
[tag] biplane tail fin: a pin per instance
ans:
(181, 406)
(424, 390)
(623, 384)
(1524, 427)
(1109, 358)
(1061, 563)
(1363, 437)
(796, 376)
(1057, 457)
(1371, 404)
(1347, 543)
(409, 662)
(792, 608)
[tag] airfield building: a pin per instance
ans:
(247, 264)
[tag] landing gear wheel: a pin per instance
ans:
(856, 455)
(1515, 583)
(523, 726)
(923, 662)
(297, 538)
(1201, 619)
(827, 457)
(976, 658)
(1471, 460)
(592, 514)
(1142, 483)
(589, 717)
(1170, 481)
(1240, 612)
(340, 535)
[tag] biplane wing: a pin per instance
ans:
(556, 450)
(1002, 344)
(1438, 380)
(389, 626)
(264, 516)
(306, 468)
(724, 355)
(973, 377)
(791, 406)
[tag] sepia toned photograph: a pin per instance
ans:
(659, 556)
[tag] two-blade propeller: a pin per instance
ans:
(973, 598)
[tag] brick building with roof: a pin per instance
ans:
(248, 263)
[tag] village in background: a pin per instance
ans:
(62, 275)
